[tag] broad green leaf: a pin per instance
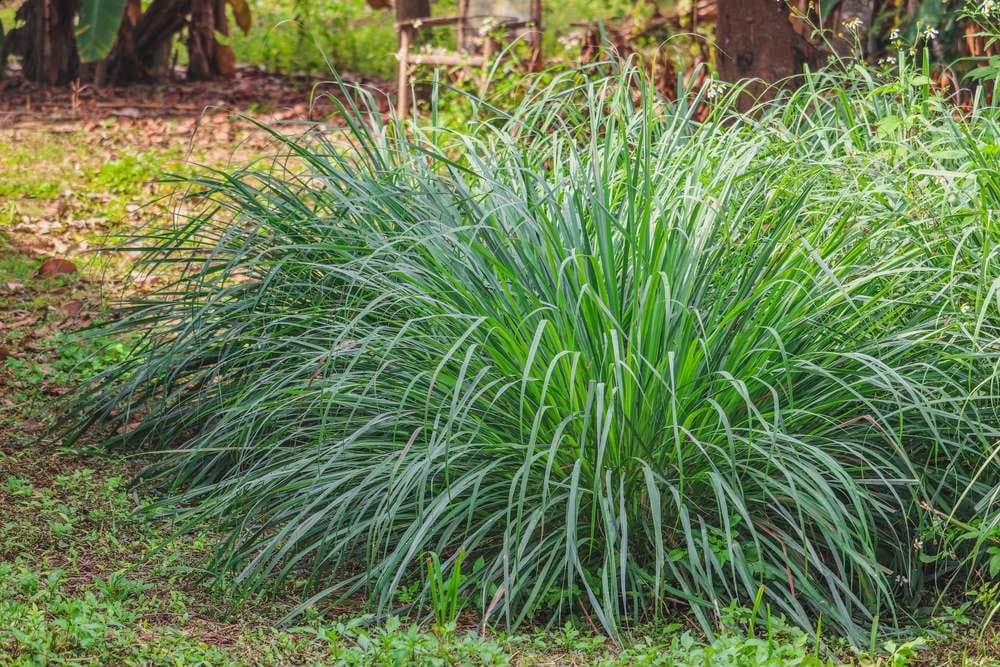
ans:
(985, 72)
(893, 88)
(887, 126)
(98, 27)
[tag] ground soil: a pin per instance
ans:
(268, 96)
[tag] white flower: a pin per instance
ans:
(987, 8)
(930, 32)
(895, 36)
(569, 41)
(715, 89)
(853, 23)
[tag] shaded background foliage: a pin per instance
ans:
(126, 40)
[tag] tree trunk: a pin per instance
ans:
(142, 50)
(49, 41)
(207, 58)
(224, 59)
(862, 11)
(122, 64)
(407, 10)
(755, 40)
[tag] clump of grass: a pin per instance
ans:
(630, 363)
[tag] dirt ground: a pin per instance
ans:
(79, 165)
(266, 96)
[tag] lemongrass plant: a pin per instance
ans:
(632, 364)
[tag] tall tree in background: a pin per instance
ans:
(47, 40)
(755, 39)
(207, 57)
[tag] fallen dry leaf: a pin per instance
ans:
(20, 322)
(71, 309)
(55, 266)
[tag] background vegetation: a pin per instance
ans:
(305, 37)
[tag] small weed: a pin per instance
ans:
(446, 602)
(118, 588)
(408, 593)
(80, 357)
(129, 173)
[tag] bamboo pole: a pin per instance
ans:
(403, 73)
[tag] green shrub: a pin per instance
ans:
(628, 360)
